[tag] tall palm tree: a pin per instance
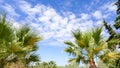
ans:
(86, 46)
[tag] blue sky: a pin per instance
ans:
(55, 19)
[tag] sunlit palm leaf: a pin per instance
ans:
(69, 43)
(77, 34)
(77, 59)
(109, 56)
(100, 47)
(72, 51)
(81, 43)
(97, 34)
(113, 55)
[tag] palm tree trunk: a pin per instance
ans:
(2, 64)
(92, 64)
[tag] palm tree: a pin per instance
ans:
(86, 47)
(27, 45)
(17, 45)
(6, 37)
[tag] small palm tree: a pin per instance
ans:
(52, 64)
(86, 47)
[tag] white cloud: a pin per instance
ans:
(99, 22)
(84, 16)
(28, 9)
(47, 21)
(11, 14)
(72, 16)
(107, 10)
(10, 9)
(16, 25)
(110, 7)
(97, 14)
(53, 25)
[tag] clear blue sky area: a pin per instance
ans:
(55, 19)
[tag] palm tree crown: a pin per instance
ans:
(86, 46)
(17, 45)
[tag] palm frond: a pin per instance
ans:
(112, 43)
(81, 43)
(69, 43)
(72, 51)
(87, 38)
(32, 58)
(6, 32)
(72, 48)
(77, 34)
(100, 47)
(113, 55)
(109, 56)
(96, 34)
(77, 59)
(84, 40)
(27, 37)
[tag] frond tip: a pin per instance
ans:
(69, 43)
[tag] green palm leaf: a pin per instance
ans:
(97, 34)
